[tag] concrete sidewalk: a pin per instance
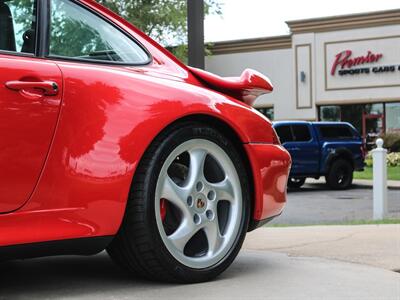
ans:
(257, 275)
(374, 245)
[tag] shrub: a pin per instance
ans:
(368, 159)
(391, 141)
(392, 159)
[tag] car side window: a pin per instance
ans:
(77, 33)
(301, 133)
(284, 133)
(18, 26)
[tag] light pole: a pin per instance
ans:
(195, 16)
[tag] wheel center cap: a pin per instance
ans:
(200, 203)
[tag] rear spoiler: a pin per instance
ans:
(247, 88)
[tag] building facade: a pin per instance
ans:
(343, 68)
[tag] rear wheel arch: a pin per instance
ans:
(224, 128)
(340, 153)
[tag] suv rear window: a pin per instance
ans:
(284, 133)
(293, 133)
(336, 132)
(301, 133)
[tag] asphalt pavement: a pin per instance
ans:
(314, 203)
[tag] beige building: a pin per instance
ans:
(342, 68)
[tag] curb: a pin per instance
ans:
(391, 184)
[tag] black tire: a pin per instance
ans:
(296, 182)
(138, 246)
(340, 175)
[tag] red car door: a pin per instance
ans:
(30, 98)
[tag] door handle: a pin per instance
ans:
(49, 88)
(294, 149)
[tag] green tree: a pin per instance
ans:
(163, 20)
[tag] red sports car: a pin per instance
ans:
(107, 141)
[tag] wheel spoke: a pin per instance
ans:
(175, 194)
(182, 235)
(196, 168)
(224, 190)
(214, 237)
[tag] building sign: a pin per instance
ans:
(346, 62)
(365, 63)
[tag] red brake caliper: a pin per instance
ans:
(163, 208)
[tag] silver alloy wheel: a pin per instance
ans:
(202, 205)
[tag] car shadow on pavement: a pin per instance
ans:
(76, 276)
(46, 276)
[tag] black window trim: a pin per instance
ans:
(38, 28)
(19, 54)
(46, 55)
(43, 28)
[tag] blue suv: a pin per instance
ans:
(331, 149)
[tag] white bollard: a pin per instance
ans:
(380, 180)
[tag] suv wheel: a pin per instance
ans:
(340, 175)
(296, 182)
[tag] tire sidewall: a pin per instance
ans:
(332, 176)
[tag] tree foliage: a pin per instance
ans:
(163, 20)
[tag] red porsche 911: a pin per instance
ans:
(107, 141)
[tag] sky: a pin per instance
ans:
(243, 19)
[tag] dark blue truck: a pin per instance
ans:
(331, 149)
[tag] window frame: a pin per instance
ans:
(46, 41)
(37, 34)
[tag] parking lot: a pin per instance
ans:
(316, 204)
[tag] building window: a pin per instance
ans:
(330, 113)
(371, 120)
(267, 111)
(353, 114)
(393, 117)
(374, 109)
